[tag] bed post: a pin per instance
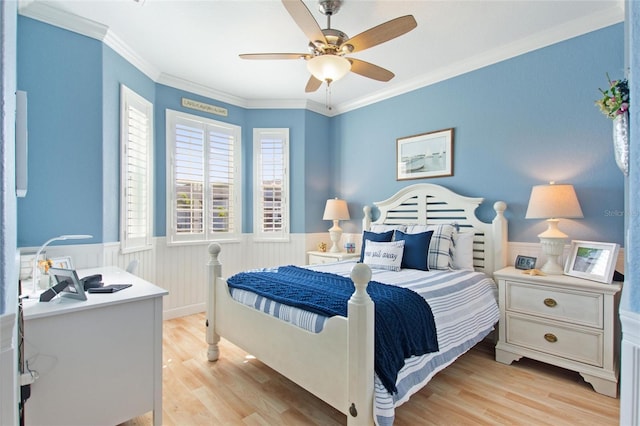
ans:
(366, 220)
(214, 272)
(500, 236)
(361, 349)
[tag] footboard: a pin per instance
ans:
(336, 365)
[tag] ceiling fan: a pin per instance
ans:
(326, 58)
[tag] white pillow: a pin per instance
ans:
(384, 228)
(441, 245)
(383, 255)
(462, 257)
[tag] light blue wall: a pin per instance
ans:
(62, 74)
(518, 123)
(319, 172)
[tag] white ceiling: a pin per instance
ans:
(195, 44)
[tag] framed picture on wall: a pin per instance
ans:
(592, 260)
(425, 155)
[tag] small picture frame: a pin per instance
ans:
(74, 289)
(425, 155)
(592, 260)
(525, 262)
(62, 262)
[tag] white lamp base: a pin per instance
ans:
(552, 241)
(335, 233)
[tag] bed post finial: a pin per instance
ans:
(500, 232)
(366, 221)
(214, 272)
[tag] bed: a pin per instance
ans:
(336, 363)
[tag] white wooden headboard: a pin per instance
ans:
(427, 203)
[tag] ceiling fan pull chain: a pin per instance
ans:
(328, 95)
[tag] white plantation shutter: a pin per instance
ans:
(221, 180)
(136, 123)
(271, 186)
(204, 164)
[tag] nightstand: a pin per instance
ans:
(561, 320)
(317, 257)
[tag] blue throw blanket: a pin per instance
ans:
(404, 323)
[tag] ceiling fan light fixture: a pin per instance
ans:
(328, 67)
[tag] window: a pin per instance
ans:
(204, 180)
(271, 186)
(136, 160)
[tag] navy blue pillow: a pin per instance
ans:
(383, 237)
(416, 249)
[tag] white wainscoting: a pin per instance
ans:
(181, 269)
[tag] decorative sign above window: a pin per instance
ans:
(201, 106)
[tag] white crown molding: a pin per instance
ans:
(190, 86)
(199, 89)
(59, 18)
(53, 16)
(123, 49)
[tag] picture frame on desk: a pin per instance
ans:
(63, 262)
(592, 260)
(74, 288)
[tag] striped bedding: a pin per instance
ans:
(464, 306)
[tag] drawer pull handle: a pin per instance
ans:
(550, 302)
(550, 337)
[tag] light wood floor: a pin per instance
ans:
(239, 390)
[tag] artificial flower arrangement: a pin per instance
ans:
(615, 100)
(44, 265)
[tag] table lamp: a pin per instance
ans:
(335, 210)
(553, 202)
(34, 275)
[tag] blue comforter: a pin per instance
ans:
(404, 325)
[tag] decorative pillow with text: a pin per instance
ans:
(383, 255)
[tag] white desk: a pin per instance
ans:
(99, 361)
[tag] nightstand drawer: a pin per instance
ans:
(556, 303)
(315, 260)
(577, 344)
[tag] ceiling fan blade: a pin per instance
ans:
(305, 20)
(274, 55)
(312, 85)
(381, 33)
(369, 70)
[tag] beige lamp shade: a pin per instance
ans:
(553, 201)
(336, 209)
(328, 67)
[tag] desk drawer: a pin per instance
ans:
(577, 344)
(556, 303)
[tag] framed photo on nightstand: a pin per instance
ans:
(592, 261)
